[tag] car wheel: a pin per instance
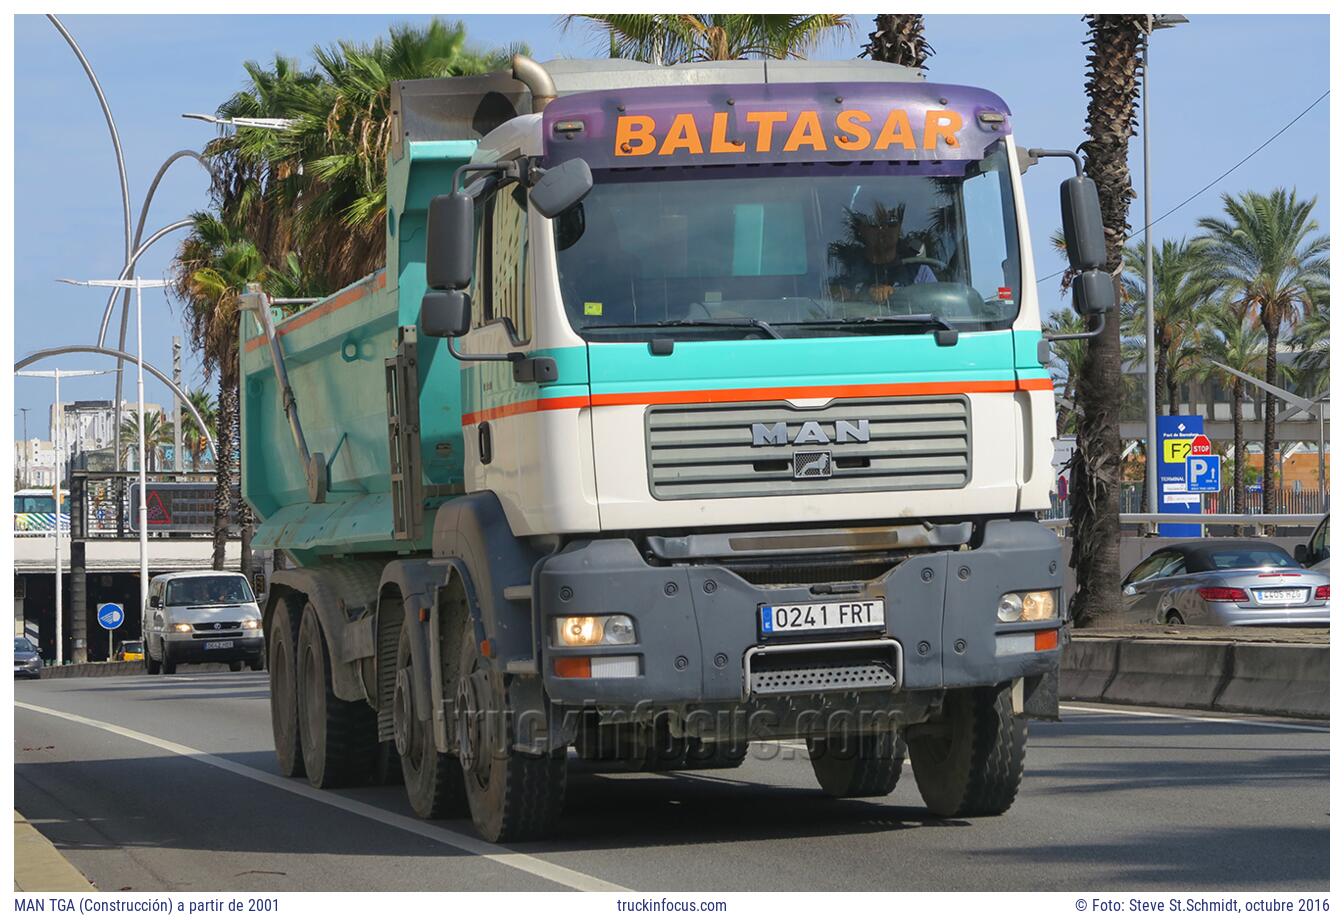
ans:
(1174, 619)
(169, 665)
(235, 666)
(151, 664)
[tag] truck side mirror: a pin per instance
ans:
(1093, 292)
(1084, 234)
(445, 314)
(450, 242)
(561, 187)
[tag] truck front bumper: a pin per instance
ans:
(698, 635)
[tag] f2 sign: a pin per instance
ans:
(1203, 473)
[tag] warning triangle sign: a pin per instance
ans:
(156, 510)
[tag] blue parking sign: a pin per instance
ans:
(1203, 473)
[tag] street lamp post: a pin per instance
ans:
(139, 284)
(1150, 467)
(57, 445)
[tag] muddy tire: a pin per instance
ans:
(433, 780)
(974, 768)
(857, 766)
(283, 637)
(339, 738)
(511, 795)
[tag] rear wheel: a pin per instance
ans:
(857, 766)
(339, 738)
(512, 795)
(1174, 619)
(433, 780)
(973, 765)
(283, 637)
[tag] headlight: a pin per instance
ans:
(251, 623)
(1026, 606)
(181, 627)
(576, 632)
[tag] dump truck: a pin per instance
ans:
(696, 406)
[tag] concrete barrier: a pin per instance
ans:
(1168, 673)
(1088, 666)
(1224, 675)
(1280, 680)
(117, 669)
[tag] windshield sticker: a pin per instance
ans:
(592, 308)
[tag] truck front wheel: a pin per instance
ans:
(512, 795)
(857, 766)
(433, 780)
(339, 738)
(971, 765)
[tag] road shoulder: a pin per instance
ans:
(39, 866)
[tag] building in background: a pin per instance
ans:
(34, 464)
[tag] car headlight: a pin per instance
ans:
(251, 623)
(578, 632)
(1026, 606)
(181, 627)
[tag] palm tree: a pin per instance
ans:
(213, 267)
(158, 435)
(1226, 337)
(1310, 371)
(1066, 362)
(1265, 253)
(1114, 69)
(1179, 294)
(318, 187)
(899, 39)
(675, 38)
(193, 438)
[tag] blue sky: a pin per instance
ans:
(1221, 85)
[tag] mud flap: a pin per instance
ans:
(1037, 697)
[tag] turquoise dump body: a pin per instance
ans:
(334, 353)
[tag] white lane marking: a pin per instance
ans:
(1262, 723)
(503, 855)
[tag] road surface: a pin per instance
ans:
(169, 783)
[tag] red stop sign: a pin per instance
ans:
(1201, 445)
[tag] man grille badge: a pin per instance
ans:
(219, 626)
(812, 464)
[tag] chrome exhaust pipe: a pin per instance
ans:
(535, 78)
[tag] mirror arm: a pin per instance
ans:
(525, 369)
(1071, 336)
(1037, 153)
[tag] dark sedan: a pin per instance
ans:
(1226, 583)
(27, 659)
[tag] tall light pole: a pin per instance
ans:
(57, 444)
(26, 464)
(1149, 347)
(139, 284)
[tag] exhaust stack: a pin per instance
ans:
(536, 79)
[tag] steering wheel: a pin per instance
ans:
(925, 260)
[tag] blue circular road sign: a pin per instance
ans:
(110, 616)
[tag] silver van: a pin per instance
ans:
(193, 617)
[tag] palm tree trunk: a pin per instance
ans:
(228, 405)
(1271, 487)
(1173, 396)
(899, 39)
(1238, 452)
(1159, 376)
(1112, 87)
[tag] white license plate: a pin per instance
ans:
(1281, 596)
(222, 643)
(860, 614)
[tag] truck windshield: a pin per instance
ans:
(816, 250)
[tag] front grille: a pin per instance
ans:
(212, 627)
(220, 634)
(706, 451)
(836, 569)
(822, 667)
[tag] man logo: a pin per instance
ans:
(812, 464)
(777, 433)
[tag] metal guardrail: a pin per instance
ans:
(1256, 521)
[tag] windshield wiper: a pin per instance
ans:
(223, 604)
(688, 323)
(945, 333)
